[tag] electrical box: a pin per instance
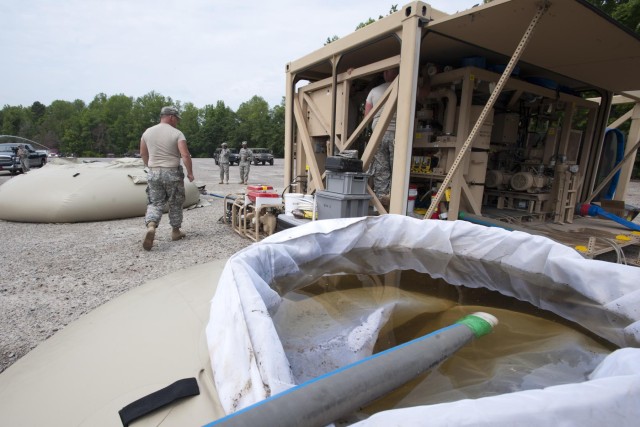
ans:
(505, 128)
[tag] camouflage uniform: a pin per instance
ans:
(382, 164)
(23, 153)
(246, 156)
(165, 185)
(223, 161)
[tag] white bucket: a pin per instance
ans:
(291, 202)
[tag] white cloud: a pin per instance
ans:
(198, 51)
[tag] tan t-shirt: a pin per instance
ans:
(373, 97)
(162, 143)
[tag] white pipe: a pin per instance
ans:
(328, 398)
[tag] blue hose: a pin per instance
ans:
(595, 210)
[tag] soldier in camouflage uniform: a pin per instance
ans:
(161, 148)
(223, 161)
(382, 165)
(246, 156)
(23, 153)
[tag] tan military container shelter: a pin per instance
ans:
(521, 91)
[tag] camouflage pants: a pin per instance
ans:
(382, 165)
(165, 186)
(244, 171)
(24, 163)
(224, 172)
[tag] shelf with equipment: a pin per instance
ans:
(441, 132)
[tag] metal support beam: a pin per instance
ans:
(334, 96)
(634, 135)
(314, 170)
(288, 130)
(409, 64)
(606, 180)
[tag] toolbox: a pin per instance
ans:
(259, 188)
(259, 198)
(343, 164)
(335, 205)
(347, 182)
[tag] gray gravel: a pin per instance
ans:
(54, 273)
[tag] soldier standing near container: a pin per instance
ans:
(382, 166)
(246, 156)
(23, 153)
(223, 161)
(161, 148)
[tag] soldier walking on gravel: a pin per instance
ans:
(161, 148)
(23, 153)
(246, 156)
(223, 161)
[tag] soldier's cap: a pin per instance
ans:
(244, 142)
(170, 111)
(224, 144)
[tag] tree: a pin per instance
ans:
(14, 120)
(93, 126)
(38, 111)
(628, 13)
(190, 125)
(146, 110)
(121, 130)
(276, 131)
(218, 126)
(331, 39)
(253, 122)
(57, 119)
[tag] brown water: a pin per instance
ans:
(529, 349)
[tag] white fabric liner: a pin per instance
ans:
(69, 190)
(249, 362)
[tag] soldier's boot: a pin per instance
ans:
(220, 182)
(147, 243)
(176, 234)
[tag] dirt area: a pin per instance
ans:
(54, 273)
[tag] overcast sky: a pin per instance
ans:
(198, 51)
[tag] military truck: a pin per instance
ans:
(262, 156)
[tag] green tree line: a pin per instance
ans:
(114, 124)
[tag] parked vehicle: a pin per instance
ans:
(262, 155)
(10, 161)
(233, 156)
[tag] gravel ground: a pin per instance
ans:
(54, 273)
